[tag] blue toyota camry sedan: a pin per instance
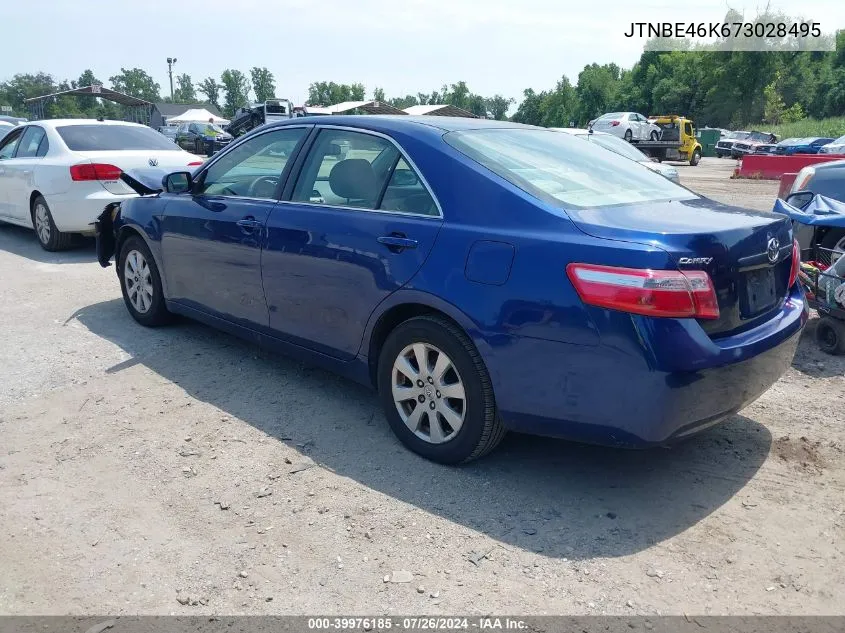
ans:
(482, 276)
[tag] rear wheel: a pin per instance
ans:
(696, 156)
(140, 283)
(436, 391)
(830, 335)
(628, 135)
(50, 238)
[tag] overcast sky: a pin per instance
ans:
(404, 46)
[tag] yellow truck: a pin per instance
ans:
(677, 140)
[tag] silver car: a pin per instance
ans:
(837, 146)
(630, 126)
(622, 148)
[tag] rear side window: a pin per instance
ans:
(108, 138)
(562, 170)
(33, 143)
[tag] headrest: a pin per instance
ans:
(354, 179)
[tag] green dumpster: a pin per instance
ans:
(708, 139)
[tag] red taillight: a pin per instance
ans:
(94, 171)
(658, 293)
(614, 123)
(796, 263)
(195, 164)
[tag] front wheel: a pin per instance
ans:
(830, 335)
(654, 136)
(696, 157)
(436, 392)
(140, 283)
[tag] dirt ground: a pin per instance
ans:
(183, 471)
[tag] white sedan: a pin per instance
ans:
(56, 176)
(628, 125)
(618, 146)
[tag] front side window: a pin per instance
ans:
(347, 169)
(253, 168)
(10, 144)
(561, 170)
(31, 143)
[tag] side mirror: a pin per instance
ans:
(177, 182)
(800, 199)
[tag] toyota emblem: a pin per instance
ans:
(153, 162)
(773, 249)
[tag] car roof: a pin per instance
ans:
(399, 123)
(834, 164)
(53, 123)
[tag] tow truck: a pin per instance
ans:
(677, 140)
(256, 114)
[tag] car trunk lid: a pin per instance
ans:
(140, 162)
(748, 254)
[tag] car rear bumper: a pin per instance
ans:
(663, 380)
(76, 213)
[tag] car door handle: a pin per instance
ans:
(397, 242)
(249, 223)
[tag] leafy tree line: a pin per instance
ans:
(716, 87)
(230, 92)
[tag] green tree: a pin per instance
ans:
(497, 106)
(25, 86)
(137, 83)
(263, 84)
(211, 90)
(597, 90)
(235, 90)
(403, 102)
(378, 95)
(87, 78)
(326, 93)
(530, 110)
(184, 92)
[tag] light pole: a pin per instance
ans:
(170, 62)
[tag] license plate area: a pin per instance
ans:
(760, 292)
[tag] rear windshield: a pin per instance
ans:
(107, 138)
(275, 108)
(557, 168)
(611, 115)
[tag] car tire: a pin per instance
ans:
(830, 335)
(654, 136)
(49, 237)
(140, 283)
(696, 157)
(465, 375)
(628, 135)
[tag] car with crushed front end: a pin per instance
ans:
(481, 275)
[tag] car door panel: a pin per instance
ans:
(8, 174)
(212, 237)
(329, 257)
(326, 269)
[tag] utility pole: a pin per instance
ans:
(170, 62)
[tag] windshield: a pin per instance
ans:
(558, 169)
(791, 141)
(109, 138)
(760, 136)
(739, 135)
(275, 108)
(839, 141)
(615, 144)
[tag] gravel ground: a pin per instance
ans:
(183, 471)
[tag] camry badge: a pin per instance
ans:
(686, 261)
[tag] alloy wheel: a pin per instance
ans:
(428, 393)
(42, 223)
(139, 281)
